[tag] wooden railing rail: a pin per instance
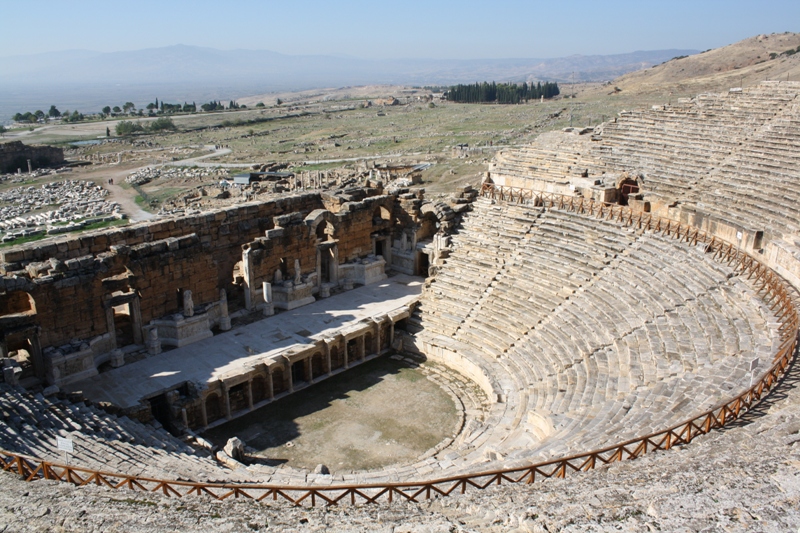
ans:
(771, 288)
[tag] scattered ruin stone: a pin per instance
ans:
(235, 449)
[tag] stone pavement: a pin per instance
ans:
(207, 360)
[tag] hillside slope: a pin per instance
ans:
(745, 63)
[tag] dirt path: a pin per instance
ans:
(126, 198)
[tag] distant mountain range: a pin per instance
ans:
(88, 80)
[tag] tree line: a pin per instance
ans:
(127, 127)
(501, 93)
(128, 108)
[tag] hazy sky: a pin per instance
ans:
(453, 29)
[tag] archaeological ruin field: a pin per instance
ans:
(427, 313)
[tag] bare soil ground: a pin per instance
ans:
(360, 420)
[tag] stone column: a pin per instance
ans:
(287, 375)
(327, 352)
(270, 385)
(36, 354)
(334, 264)
(250, 394)
(345, 354)
(320, 251)
(376, 338)
(153, 342)
(227, 395)
(225, 319)
(203, 413)
(360, 348)
(387, 252)
(269, 303)
(308, 370)
(136, 320)
(247, 267)
(112, 330)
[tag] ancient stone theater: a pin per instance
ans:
(605, 293)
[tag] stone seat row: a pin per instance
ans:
(102, 441)
(660, 332)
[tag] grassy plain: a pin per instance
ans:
(321, 134)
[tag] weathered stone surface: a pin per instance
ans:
(235, 449)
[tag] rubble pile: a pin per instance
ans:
(148, 174)
(30, 210)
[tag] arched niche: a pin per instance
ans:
(321, 224)
(325, 231)
(17, 303)
(381, 215)
(627, 185)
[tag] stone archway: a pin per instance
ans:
(19, 336)
(627, 185)
(213, 407)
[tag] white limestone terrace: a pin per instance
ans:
(236, 350)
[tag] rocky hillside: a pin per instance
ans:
(764, 57)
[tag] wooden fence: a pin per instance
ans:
(771, 288)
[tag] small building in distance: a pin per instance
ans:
(246, 178)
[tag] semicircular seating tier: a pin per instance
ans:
(31, 424)
(716, 159)
(587, 333)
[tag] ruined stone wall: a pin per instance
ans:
(74, 281)
(286, 245)
(14, 155)
(65, 277)
(358, 223)
(15, 302)
(162, 274)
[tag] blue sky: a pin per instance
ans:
(451, 29)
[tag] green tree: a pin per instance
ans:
(2, 130)
(126, 127)
(117, 109)
(39, 114)
(128, 107)
(162, 124)
(107, 110)
(278, 102)
(54, 112)
(260, 104)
